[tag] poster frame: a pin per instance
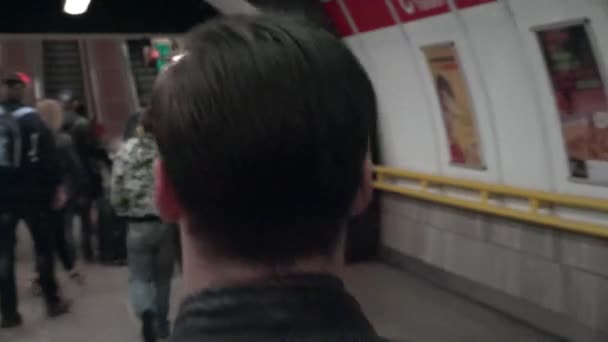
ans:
(482, 152)
(601, 65)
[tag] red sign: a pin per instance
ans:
(410, 10)
(471, 3)
(333, 10)
(370, 15)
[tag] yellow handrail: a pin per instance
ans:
(535, 199)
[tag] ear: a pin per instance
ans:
(166, 201)
(364, 195)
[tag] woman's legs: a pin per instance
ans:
(141, 261)
(165, 262)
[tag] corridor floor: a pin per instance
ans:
(401, 307)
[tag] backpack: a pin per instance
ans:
(11, 139)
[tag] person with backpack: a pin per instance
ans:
(29, 179)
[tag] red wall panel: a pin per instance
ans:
(410, 10)
(370, 15)
(471, 3)
(334, 11)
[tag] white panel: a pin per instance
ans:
(233, 6)
(517, 119)
(405, 110)
(529, 14)
(442, 29)
(388, 146)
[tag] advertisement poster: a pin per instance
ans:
(580, 96)
(456, 106)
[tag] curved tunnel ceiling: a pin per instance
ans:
(103, 16)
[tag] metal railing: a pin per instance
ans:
(488, 199)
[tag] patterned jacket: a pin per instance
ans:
(132, 192)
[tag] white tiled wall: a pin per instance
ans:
(522, 146)
(559, 272)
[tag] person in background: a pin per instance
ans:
(133, 121)
(60, 218)
(29, 183)
(263, 129)
(150, 245)
(91, 156)
(128, 133)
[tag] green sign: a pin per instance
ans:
(164, 53)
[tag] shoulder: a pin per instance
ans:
(126, 148)
(26, 114)
(130, 144)
(80, 124)
(28, 117)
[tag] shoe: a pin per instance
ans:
(88, 256)
(147, 327)
(119, 262)
(12, 321)
(60, 308)
(77, 277)
(163, 329)
(35, 287)
(89, 259)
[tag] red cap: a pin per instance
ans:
(19, 77)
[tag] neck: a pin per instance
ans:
(204, 272)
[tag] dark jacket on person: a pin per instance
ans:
(89, 152)
(291, 308)
(72, 172)
(35, 182)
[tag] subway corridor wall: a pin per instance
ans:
(554, 280)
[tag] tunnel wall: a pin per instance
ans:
(555, 281)
(105, 75)
(25, 56)
(108, 76)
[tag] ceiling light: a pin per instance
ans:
(177, 57)
(76, 7)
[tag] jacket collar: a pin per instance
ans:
(296, 304)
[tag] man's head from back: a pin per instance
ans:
(263, 130)
(14, 85)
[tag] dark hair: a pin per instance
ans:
(146, 121)
(79, 108)
(263, 128)
(443, 86)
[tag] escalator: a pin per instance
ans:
(62, 69)
(143, 75)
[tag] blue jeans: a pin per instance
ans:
(151, 257)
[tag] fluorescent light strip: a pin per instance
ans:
(76, 7)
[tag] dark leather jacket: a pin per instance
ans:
(293, 308)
